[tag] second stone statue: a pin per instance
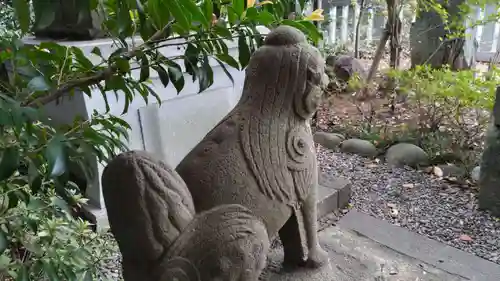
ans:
(262, 155)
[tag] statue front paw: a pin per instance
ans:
(317, 257)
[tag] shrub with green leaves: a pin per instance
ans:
(41, 235)
(447, 111)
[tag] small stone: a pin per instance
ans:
(360, 147)
(450, 171)
(408, 185)
(474, 175)
(406, 154)
(391, 205)
(465, 237)
(394, 213)
(328, 140)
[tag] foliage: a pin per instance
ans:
(446, 113)
(8, 26)
(41, 236)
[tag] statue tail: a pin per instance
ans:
(152, 216)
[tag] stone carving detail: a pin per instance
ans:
(152, 217)
(261, 156)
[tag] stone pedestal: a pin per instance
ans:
(489, 178)
(67, 19)
(427, 46)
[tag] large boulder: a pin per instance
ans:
(406, 154)
(344, 67)
(360, 147)
(328, 140)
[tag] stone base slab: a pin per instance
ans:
(333, 194)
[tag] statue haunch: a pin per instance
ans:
(152, 217)
(262, 155)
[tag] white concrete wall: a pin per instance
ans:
(170, 130)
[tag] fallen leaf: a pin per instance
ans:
(465, 237)
(371, 166)
(408, 185)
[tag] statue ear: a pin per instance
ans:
(313, 95)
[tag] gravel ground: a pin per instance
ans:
(419, 202)
(408, 198)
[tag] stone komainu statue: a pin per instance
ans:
(152, 217)
(262, 154)
(252, 177)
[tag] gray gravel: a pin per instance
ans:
(419, 202)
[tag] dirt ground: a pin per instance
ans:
(343, 108)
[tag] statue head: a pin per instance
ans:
(285, 75)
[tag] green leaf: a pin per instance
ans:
(82, 59)
(38, 84)
(176, 76)
(229, 60)
(223, 31)
(180, 14)
(50, 271)
(206, 75)
(3, 241)
(243, 50)
(96, 51)
(224, 68)
(9, 162)
(22, 10)
(122, 64)
(265, 18)
(162, 73)
(311, 30)
(239, 7)
(196, 12)
(208, 9)
(56, 156)
(252, 13)
(22, 274)
(144, 69)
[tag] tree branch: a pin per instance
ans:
(63, 89)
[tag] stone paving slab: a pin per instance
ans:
(357, 258)
(333, 194)
(421, 248)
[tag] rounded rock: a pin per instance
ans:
(360, 147)
(328, 140)
(406, 154)
(474, 175)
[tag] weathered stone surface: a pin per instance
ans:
(475, 173)
(344, 67)
(427, 45)
(151, 214)
(261, 155)
(450, 171)
(354, 257)
(360, 147)
(489, 178)
(328, 140)
(73, 20)
(220, 243)
(406, 154)
(333, 193)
